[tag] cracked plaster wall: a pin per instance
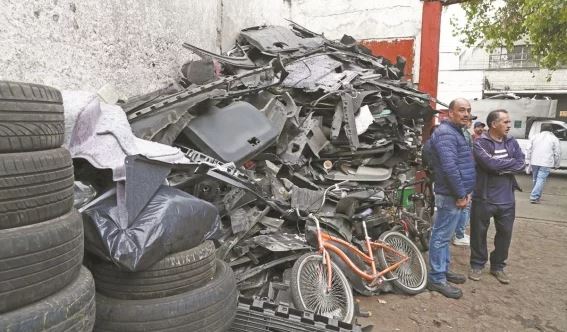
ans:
(132, 44)
(135, 45)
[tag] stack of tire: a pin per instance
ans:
(185, 291)
(43, 286)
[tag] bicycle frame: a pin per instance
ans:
(325, 246)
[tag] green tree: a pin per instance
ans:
(541, 23)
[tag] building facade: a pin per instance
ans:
(475, 73)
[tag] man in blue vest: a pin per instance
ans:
(454, 174)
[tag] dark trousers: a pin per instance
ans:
(504, 216)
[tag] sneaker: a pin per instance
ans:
(501, 276)
(446, 289)
(465, 241)
(475, 274)
(455, 278)
(534, 201)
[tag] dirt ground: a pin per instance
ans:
(536, 298)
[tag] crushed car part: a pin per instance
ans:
(293, 154)
(235, 133)
(275, 65)
(362, 173)
(256, 314)
(258, 269)
(276, 39)
(162, 123)
(281, 242)
(243, 61)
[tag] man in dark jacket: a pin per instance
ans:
(497, 158)
(454, 174)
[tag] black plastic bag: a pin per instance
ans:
(172, 221)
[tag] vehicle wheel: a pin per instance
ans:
(70, 309)
(35, 186)
(211, 307)
(175, 274)
(39, 260)
(31, 117)
(309, 288)
(411, 276)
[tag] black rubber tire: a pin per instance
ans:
(39, 260)
(175, 274)
(31, 117)
(211, 307)
(415, 268)
(35, 186)
(70, 309)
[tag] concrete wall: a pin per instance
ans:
(361, 19)
(455, 84)
(135, 45)
(239, 14)
(132, 44)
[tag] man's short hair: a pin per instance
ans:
(493, 116)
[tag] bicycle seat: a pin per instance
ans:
(362, 215)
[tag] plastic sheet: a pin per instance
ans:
(172, 221)
(83, 193)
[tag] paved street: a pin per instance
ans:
(535, 300)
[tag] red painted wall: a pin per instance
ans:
(391, 48)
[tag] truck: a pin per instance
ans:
(527, 116)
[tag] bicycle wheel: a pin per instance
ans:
(411, 276)
(309, 288)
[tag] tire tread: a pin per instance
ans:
(35, 186)
(31, 117)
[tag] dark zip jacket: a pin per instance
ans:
(496, 171)
(452, 159)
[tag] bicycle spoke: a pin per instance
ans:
(409, 272)
(317, 296)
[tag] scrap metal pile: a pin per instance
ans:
(196, 192)
(269, 125)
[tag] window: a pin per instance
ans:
(559, 131)
(518, 57)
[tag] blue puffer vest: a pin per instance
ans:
(453, 161)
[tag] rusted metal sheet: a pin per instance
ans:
(392, 48)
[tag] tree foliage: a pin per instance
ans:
(540, 23)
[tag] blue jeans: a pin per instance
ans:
(446, 219)
(463, 222)
(540, 174)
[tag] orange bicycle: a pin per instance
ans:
(318, 284)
